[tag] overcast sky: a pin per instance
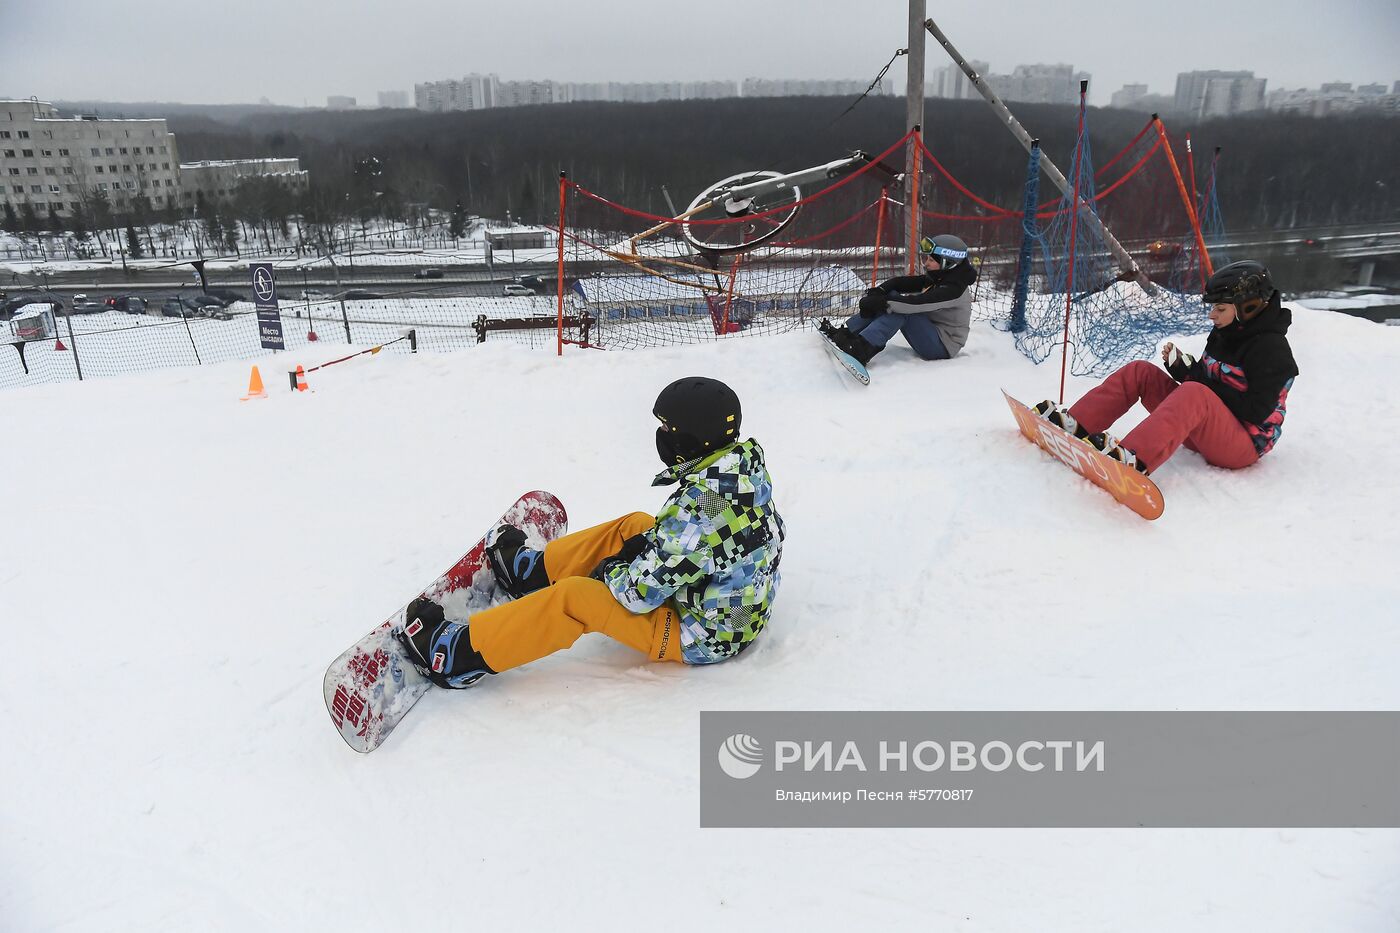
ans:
(299, 51)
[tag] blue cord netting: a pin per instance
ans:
(1213, 222)
(1111, 321)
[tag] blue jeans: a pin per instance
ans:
(918, 330)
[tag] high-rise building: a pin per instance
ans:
(1335, 97)
(393, 99)
(950, 82)
(474, 92)
(1039, 84)
(1127, 96)
(337, 102)
(1202, 94)
(766, 87)
(66, 164)
(71, 164)
(522, 94)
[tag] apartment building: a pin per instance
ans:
(767, 87)
(473, 92)
(951, 83)
(64, 164)
(1039, 84)
(1203, 94)
(216, 181)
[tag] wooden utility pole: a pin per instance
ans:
(913, 117)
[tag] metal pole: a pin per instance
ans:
(1205, 265)
(1073, 232)
(1125, 261)
(184, 317)
(559, 272)
(913, 117)
(73, 345)
(912, 255)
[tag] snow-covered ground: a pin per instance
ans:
(179, 567)
(385, 243)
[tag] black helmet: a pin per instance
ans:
(946, 248)
(698, 416)
(1245, 284)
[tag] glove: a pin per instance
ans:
(874, 304)
(630, 550)
(1178, 364)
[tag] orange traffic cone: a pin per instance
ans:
(255, 386)
(58, 345)
(300, 381)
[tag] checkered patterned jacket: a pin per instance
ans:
(713, 552)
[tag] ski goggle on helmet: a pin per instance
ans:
(947, 249)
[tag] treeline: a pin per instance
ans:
(1276, 170)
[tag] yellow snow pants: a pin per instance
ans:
(553, 618)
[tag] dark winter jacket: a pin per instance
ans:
(943, 296)
(1250, 366)
(714, 552)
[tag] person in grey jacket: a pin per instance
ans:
(932, 310)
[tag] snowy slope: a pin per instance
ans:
(178, 568)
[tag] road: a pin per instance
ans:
(1353, 241)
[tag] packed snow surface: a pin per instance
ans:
(179, 567)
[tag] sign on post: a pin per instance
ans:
(265, 299)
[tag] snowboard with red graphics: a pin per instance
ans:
(1119, 480)
(373, 685)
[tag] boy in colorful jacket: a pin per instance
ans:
(693, 584)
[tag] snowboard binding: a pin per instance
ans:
(441, 650)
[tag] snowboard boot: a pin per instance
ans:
(860, 349)
(519, 569)
(441, 650)
(1112, 448)
(836, 333)
(1060, 418)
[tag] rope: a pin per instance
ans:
(873, 85)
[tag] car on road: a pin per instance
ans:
(428, 274)
(127, 303)
(209, 306)
(359, 294)
(82, 304)
(530, 281)
(513, 288)
(226, 296)
(312, 294)
(175, 307)
(195, 306)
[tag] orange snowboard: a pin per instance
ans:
(1122, 482)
